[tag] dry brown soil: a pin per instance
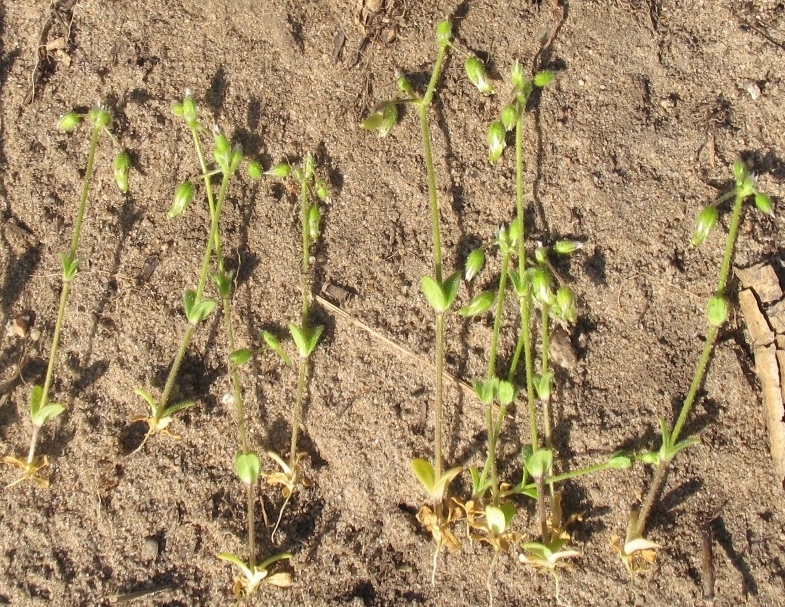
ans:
(654, 101)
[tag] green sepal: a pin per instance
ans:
(539, 463)
(475, 72)
(441, 296)
(305, 338)
(240, 357)
(566, 247)
(717, 310)
(650, 457)
(740, 172)
(542, 285)
(704, 224)
(273, 343)
(509, 116)
(247, 466)
(70, 266)
(282, 170)
(516, 74)
(564, 307)
(481, 303)
(314, 218)
(196, 311)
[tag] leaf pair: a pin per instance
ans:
(494, 388)
(196, 310)
(254, 575)
(39, 415)
(436, 487)
(441, 296)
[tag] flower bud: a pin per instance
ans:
(121, 166)
(314, 221)
(509, 116)
(517, 75)
(280, 170)
(247, 466)
(475, 72)
(182, 198)
(541, 286)
(189, 109)
(496, 142)
(763, 202)
(707, 220)
(322, 191)
(565, 247)
(100, 118)
(541, 255)
(254, 169)
(404, 85)
(740, 172)
(474, 263)
(69, 121)
(444, 33)
(565, 301)
(620, 461)
(382, 119)
(717, 310)
(542, 79)
(479, 304)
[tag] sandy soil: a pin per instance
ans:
(654, 101)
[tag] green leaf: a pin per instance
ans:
(305, 339)
(539, 463)
(516, 282)
(70, 266)
(542, 385)
(121, 166)
(382, 119)
(177, 407)
(240, 357)
(683, 444)
(440, 488)
(433, 293)
(265, 564)
(423, 470)
(273, 343)
(505, 392)
(36, 394)
(236, 560)
(450, 288)
(650, 457)
(479, 485)
(44, 414)
(196, 311)
(486, 390)
(247, 466)
(151, 402)
(223, 283)
(499, 518)
(481, 303)
(537, 550)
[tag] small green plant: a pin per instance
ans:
(440, 291)
(42, 409)
(312, 191)
(254, 575)
(637, 552)
(196, 306)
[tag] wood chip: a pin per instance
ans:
(763, 280)
(768, 371)
(760, 332)
(776, 316)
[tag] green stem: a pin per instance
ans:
(298, 409)
(50, 370)
(666, 455)
(305, 276)
(497, 321)
(251, 528)
(434, 204)
(215, 213)
(545, 369)
(439, 395)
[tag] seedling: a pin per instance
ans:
(196, 306)
(312, 191)
(440, 292)
(638, 552)
(42, 409)
(254, 575)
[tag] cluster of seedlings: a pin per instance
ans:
(546, 309)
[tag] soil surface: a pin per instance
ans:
(654, 101)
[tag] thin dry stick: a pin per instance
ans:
(398, 348)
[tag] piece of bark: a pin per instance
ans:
(776, 316)
(768, 371)
(763, 280)
(760, 331)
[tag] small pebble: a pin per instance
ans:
(150, 549)
(754, 90)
